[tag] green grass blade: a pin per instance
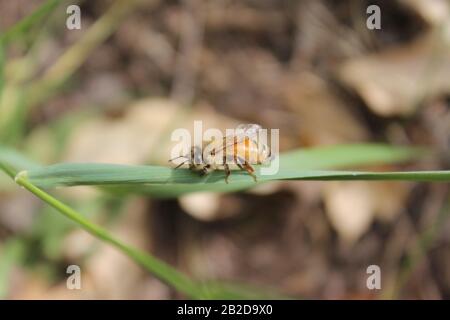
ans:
(162, 181)
(13, 130)
(160, 269)
(306, 164)
(15, 161)
(157, 267)
(416, 253)
(348, 155)
(66, 65)
(2, 69)
(297, 165)
(11, 162)
(29, 21)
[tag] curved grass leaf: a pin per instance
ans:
(157, 267)
(160, 181)
(165, 182)
(11, 162)
(160, 269)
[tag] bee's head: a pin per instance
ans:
(196, 155)
(196, 159)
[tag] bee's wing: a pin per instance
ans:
(249, 131)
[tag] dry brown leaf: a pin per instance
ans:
(352, 206)
(210, 206)
(202, 205)
(143, 132)
(389, 199)
(34, 287)
(127, 140)
(433, 12)
(394, 81)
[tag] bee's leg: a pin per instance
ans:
(227, 171)
(244, 165)
(205, 170)
(180, 164)
(226, 167)
(183, 162)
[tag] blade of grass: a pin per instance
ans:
(417, 253)
(24, 25)
(11, 162)
(14, 112)
(2, 68)
(297, 165)
(73, 58)
(158, 268)
(164, 182)
(326, 157)
(10, 158)
(13, 130)
(349, 155)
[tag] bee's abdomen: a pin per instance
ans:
(247, 151)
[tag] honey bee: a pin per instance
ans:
(240, 150)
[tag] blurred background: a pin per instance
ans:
(113, 91)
